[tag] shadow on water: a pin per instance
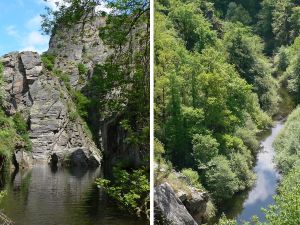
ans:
(56, 196)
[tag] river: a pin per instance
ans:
(249, 203)
(57, 196)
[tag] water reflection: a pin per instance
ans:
(245, 205)
(267, 177)
(56, 196)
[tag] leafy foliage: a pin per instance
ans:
(131, 189)
(210, 101)
(82, 69)
(286, 210)
(22, 128)
(48, 61)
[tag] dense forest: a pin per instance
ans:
(220, 67)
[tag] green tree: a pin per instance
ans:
(192, 27)
(129, 189)
(205, 147)
(220, 179)
(237, 13)
(245, 51)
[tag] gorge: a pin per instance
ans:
(71, 119)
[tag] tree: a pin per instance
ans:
(281, 21)
(237, 13)
(205, 147)
(245, 51)
(220, 179)
(192, 27)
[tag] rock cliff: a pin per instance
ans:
(79, 44)
(45, 104)
(82, 45)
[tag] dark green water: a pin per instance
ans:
(45, 196)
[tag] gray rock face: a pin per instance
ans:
(46, 104)
(195, 202)
(171, 207)
(80, 44)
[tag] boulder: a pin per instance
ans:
(170, 206)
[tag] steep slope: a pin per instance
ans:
(46, 106)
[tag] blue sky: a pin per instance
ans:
(20, 25)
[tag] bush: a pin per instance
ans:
(73, 115)
(82, 103)
(240, 166)
(8, 135)
(287, 143)
(21, 127)
(131, 190)
(158, 149)
(286, 210)
(82, 69)
(64, 77)
(221, 181)
(48, 61)
(192, 177)
(205, 147)
(224, 221)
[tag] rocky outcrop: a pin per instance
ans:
(171, 207)
(46, 105)
(79, 44)
(195, 202)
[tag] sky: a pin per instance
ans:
(20, 25)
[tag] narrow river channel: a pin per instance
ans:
(249, 203)
(261, 196)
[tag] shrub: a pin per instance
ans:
(129, 189)
(287, 143)
(21, 127)
(286, 210)
(240, 166)
(82, 69)
(193, 178)
(7, 135)
(48, 61)
(220, 179)
(64, 77)
(73, 115)
(205, 147)
(82, 103)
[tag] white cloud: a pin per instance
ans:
(35, 38)
(34, 22)
(103, 7)
(12, 31)
(53, 4)
(35, 49)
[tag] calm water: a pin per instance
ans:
(248, 204)
(45, 196)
